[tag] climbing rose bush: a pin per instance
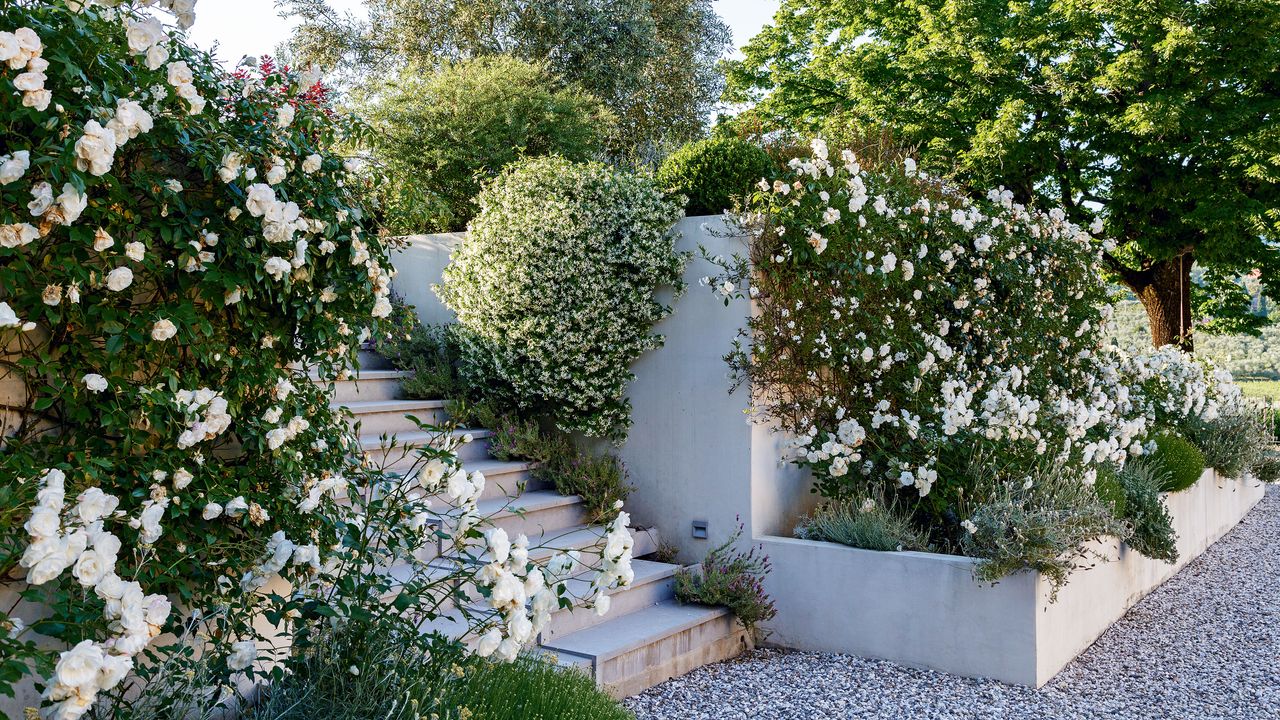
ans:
(185, 265)
(555, 289)
(179, 248)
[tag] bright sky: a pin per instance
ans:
(252, 27)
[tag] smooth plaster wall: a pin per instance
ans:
(692, 453)
(926, 610)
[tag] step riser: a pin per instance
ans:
(536, 523)
(374, 424)
(641, 669)
(345, 391)
(622, 601)
(402, 458)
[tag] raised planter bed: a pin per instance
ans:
(926, 610)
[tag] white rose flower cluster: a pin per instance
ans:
(206, 414)
(21, 50)
(893, 306)
(75, 538)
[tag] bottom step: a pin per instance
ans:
(638, 650)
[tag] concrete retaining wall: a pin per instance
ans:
(926, 610)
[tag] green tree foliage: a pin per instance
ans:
(1155, 116)
(652, 61)
(442, 133)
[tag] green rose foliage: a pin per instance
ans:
(714, 174)
(554, 289)
(190, 383)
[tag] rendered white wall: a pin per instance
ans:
(419, 265)
(926, 610)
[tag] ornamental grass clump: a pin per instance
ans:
(868, 523)
(729, 578)
(556, 289)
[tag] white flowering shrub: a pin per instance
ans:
(555, 287)
(900, 322)
(950, 350)
(185, 263)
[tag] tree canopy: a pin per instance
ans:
(1156, 117)
(440, 134)
(653, 62)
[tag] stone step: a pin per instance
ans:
(403, 457)
(535, 513)
(370, 385)
(635, 651)
(584, 538)
(654, 583)
(375, 417)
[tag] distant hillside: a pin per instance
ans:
(1246, 357)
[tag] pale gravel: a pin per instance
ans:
(1204, 646)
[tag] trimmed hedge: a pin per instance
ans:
(1183, 462)
(712, 173)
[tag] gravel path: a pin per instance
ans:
(1204, 646)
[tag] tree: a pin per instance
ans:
(653, 62)
(1156, 117)
(440, 134)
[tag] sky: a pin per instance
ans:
(252, 27)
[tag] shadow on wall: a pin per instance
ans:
(693, 454)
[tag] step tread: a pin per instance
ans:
(367, 407)
(420, 437)
(634, 630)
(646, 572)
(530, 501)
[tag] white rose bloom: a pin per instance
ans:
(17, 235)
(119, 279)
(236, 507)
(71, 202)
(242, 655)
(93, 505)
(381, 308)
(95, 382)
(96, 149)
(41, 199)
(179, 73)
(135, 251)
(276, 267)
(157, 55)
(163, 330)
(144, 33)
(311, 164)
(7, 317)
(182, 478)
(277, 173)
(260, 199)
(90, 568)
(489, 642)
(13, 167)
(102, 240)
(9, 46)
(79, 666)
(211, 511)
(284, 116)
(115, 668)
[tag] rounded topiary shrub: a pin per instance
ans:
(712, 173)
(554, 289)
(1183, 462)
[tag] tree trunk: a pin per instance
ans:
(1166, 296)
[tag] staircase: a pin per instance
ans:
(646, 637)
